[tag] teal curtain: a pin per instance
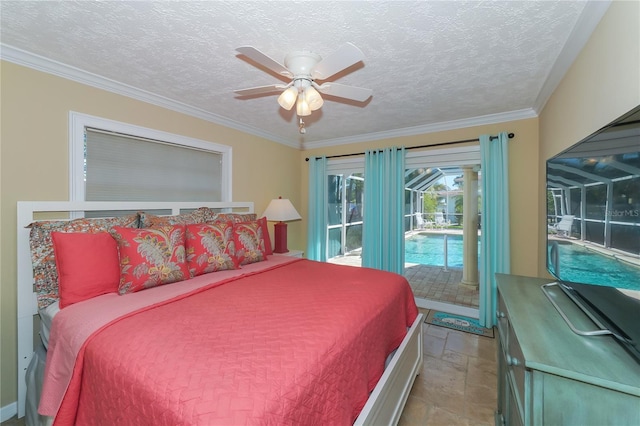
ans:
(318, 210)
(494, 243)
(383, 219)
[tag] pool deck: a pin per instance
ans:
(429, 282)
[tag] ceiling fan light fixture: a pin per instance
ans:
(302, 107)
(288, 98)
(313, 98)
(304, 68)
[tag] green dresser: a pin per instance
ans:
(548, 375)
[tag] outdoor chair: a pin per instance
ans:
(563, 228)
(421, 223)
(440, 221)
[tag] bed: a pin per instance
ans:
(279, 340)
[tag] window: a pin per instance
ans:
(113, 161)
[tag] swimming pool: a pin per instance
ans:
(581, 265)
(428, 249)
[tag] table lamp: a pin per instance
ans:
(280, 210)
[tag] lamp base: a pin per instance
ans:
(280, 237)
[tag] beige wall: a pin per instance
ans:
(602, 84)
(34, 166)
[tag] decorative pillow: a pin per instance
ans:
(268, 249)
(249, 242)
(87, 265)
(233, 217)
(45, 273)
(200, 215)
(150, 257)
(210, 248)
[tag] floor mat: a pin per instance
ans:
(458, 322)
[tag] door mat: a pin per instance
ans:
(458, 322)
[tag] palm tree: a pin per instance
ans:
(431, 199)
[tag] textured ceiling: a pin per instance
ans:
(429, 63)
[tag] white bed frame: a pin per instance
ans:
(385, 403)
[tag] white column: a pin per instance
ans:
(470, 228)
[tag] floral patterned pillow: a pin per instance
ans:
(210, 248)
(233, 217)
(150, 257)
(45, 273)
(249, 242)
(200, 215)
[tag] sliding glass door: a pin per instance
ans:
(345, 196)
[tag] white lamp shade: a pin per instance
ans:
(302, 108)
(288, 98)
(281, 210)
(313, 98)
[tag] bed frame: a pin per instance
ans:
(385, 403)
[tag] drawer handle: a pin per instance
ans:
(500, 314)
(513, 361)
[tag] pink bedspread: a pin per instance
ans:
(298, 343)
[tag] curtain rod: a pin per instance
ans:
(511, 135)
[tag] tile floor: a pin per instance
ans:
(457, 385)
(14, 421)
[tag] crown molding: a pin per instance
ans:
(40, 63)
(587, 22)
(428, 128)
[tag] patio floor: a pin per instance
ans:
(430, 282)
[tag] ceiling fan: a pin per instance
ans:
(304, 68)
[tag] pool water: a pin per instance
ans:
(428, 249)
(581, 265)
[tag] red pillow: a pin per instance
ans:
(265, 234)
(87, 265)
(210, 247)
(150, 257)
(249, 242)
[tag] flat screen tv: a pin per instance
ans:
(593, 218)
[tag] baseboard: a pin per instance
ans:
(8, 411)
(447, 307)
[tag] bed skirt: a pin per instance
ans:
(34, 378)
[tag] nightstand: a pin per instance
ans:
(294, 253)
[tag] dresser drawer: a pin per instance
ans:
(503, 322)
(514, 410)
(515, 363)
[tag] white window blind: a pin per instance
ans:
(128, 168)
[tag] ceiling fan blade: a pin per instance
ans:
(261, 90)
(259, 57)
(343, 91)
(344, 57)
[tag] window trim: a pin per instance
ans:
(78, 122)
